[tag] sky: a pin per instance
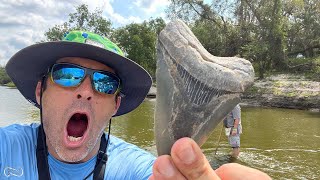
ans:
(24, 22)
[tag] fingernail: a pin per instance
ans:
(186, 154)
(167, 169)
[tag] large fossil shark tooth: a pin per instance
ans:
(195, 90)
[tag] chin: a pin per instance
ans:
(73, 156)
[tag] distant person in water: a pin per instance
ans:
(233, 129)
(79, 84)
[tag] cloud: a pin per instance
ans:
(24, 22)
(135, 11)
(6, 49)
(151, 6)
(116, 18)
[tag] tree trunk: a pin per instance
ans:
(276, 37)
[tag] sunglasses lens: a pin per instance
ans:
(67, 75)
(105, 82)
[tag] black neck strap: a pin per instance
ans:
(42, 158)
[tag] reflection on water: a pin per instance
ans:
(14, 108)
(137, 126)
(284, 143)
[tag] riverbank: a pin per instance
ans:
(282, 91)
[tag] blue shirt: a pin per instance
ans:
(18, 144)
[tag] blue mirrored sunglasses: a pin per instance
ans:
(72, 75)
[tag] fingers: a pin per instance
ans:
(163, 169)
(190, 161)
(234, 171)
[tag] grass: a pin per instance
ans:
(10, 84)
(311, 70)
(291, 94)
(278, 84)
(256, 90)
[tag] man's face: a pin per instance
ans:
(74, 118)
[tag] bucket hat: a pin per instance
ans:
(28, 65)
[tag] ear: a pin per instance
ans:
(38, 91)
(118, 102)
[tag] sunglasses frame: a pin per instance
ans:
(90, 72)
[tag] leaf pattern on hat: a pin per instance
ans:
(81, 37)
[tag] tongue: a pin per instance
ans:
(77, 125)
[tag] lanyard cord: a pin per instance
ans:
(42, 151)
(102, 159)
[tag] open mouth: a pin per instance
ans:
(77, 126)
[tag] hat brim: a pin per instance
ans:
(28, 65)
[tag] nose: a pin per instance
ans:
(85, 90)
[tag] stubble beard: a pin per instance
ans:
(74, 157)
(57, 143)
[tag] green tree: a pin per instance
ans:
(264, 20)
(213, 24)
(139, 42)
(303, 27)
(82, 19)
(156, 25)
(251, 28)
(208, 35)
(4, 78)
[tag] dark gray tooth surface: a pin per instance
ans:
(195, 90)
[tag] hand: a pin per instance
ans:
(188, 162)
(234, 131)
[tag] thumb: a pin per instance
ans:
(190, 161)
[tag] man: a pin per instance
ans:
(79, 84)
(233, 128)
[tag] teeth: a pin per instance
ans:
(74, 139)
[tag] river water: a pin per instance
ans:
(284, 143)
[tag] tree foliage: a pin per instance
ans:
(215, 31)
(266, 32)
(4, 78)
(267, 35)
(82, 19)
(304, 24)
(139, 42)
